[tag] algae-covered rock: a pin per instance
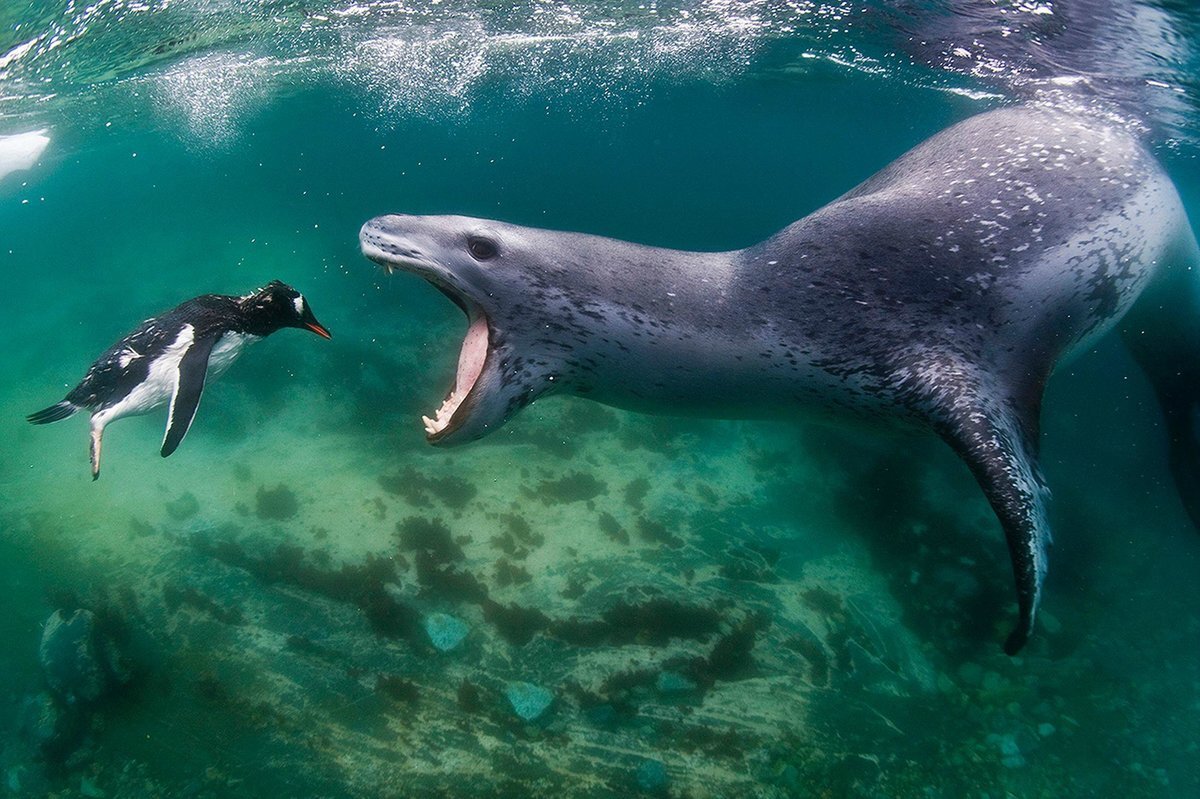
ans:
(80, 660)
(71, 659)
(48, 726)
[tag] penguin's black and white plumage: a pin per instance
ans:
(169, 357)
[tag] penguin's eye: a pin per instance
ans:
(481, 249)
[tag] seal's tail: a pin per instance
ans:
(55, 413)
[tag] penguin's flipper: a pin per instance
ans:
(193, 368)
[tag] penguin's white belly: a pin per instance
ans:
(159, 385)
(226, 351)
(163, 375)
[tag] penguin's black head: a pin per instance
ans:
(278, 305)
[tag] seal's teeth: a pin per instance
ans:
(470, 365)
(441, 419)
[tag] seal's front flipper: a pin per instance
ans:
(189, 385)
(996, 437)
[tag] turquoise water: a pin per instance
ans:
(713, 608)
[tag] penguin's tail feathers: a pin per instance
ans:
(55, 413)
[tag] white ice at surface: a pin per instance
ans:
(21, 151)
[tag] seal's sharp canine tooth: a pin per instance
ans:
(942, 291)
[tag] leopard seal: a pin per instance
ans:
(941, 292)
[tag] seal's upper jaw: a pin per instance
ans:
(386, 241)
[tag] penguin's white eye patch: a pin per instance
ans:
(298, 301)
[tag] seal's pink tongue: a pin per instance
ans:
(474, 352)
(470, 366)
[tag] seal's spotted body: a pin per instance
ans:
(943, 291)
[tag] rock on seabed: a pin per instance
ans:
(70, 661)
(529, 701)
(445, 631)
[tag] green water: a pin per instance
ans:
(826, 603)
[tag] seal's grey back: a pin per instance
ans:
(1027, 220)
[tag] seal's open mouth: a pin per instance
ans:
(476, 346)
(471, 359)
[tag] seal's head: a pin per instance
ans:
(506, 360)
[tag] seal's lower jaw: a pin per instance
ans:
(456, 408)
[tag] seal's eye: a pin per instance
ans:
(481, 249)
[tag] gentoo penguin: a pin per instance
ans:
(169, 357)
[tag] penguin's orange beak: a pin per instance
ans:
(317, 328)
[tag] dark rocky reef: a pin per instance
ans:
(420, 489)
(361, 585)
(574, 487)
(679, 655)
(277, 504)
